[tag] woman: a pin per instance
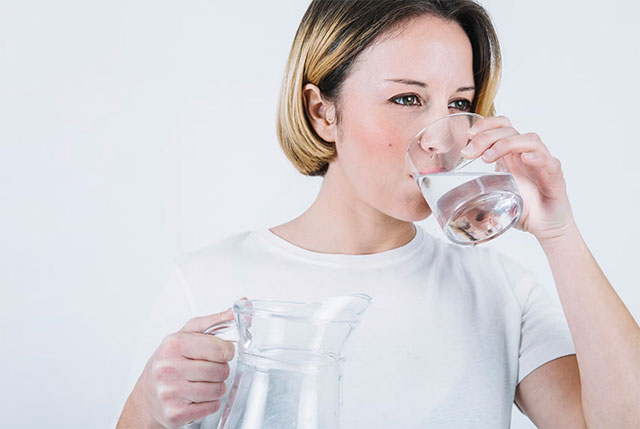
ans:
(454, 335)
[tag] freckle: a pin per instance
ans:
(389, 144)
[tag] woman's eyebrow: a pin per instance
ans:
(424, 85)
(409, 82)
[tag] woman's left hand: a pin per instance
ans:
(547, 212)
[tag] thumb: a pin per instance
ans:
(201, 323)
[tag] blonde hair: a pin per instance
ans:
(330, 37)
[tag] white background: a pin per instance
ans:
(133, 131)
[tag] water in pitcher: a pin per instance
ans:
(284, 388)
(472, 207)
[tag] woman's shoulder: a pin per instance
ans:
(481, 260)
(221, 253)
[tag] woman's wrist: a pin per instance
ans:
(561, 240)
(135, 414)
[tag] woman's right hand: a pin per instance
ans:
(183, 380)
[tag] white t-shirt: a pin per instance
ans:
(450, 332)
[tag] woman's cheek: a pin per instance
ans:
(359, 147)
(374, 144)
(379, 140)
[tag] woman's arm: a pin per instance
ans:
(551, 395)
(605, 335)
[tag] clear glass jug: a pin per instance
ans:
(290, 355)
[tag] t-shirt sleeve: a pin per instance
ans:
(545, 334)
(171, 310)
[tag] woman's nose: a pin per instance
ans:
(446, 133)
(438, 137)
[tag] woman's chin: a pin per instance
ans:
(413, 211)
(421, 216)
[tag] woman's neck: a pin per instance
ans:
(339, 222)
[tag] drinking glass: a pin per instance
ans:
(472, 200)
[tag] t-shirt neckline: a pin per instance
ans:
(385, 257)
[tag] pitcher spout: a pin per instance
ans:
(340, 309)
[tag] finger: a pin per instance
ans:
(480, 142)
(200, 391)
(199, 324)
(550, 181)
(533, 158)
(208, 347)
(548, 164)
(516, 144)
(553, 167)
(183, 413)
(197, 346)
(488, 123)
(202, 370)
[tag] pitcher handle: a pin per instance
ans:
(225, 329)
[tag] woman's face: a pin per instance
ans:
(393, 90)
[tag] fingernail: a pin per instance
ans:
(531, 156)
(472, 131)
(488, 153)
(467, 150)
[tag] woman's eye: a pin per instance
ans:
(464, 105)
(407, 100)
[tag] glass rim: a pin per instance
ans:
(409, 161)
(452, 115)
(265, 308)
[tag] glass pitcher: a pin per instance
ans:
(290, 354)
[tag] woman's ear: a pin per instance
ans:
(321, 113)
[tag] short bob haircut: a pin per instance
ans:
(331, 36)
